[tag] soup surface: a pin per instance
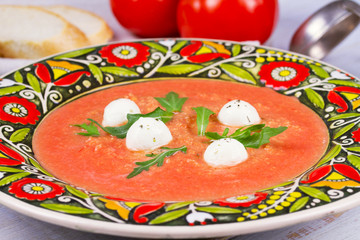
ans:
(101, 164)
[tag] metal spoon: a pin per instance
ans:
(326, 28)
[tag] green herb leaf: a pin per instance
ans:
(242, 133)
(157, 160)
(226, 132)
(121, 131)
(214, 136)
(91, 129)
(202, 119)
(253, 136)
(259, 138)
(172, 102)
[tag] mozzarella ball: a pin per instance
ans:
(116, 111)
(238, 113)
(225, 152)
(147, 134)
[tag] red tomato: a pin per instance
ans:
(147, 18)
(239, 20)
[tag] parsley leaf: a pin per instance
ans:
(172, 102)
(202, 119)
(253, 136)
(121, 131)
(91, 129)
(158, 159)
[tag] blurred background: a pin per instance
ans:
(291, 15)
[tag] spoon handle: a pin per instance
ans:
(352, 7)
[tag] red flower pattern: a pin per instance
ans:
(74, 73)
(18, 110)
(10, 157)
(35, 189)
(337, 97)
(128, 54)
(283, 75)
(243, 200)
(200, 52)
(356, 135)
(322, 172)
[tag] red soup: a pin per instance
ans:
(102, 164)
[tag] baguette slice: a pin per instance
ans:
(33, 32)
(94, 27)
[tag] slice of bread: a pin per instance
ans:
(33, 32)
(94, 27)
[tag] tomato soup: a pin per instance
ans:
(101, 164)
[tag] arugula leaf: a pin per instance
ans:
(202, 119)
(91, 129)
(121, 131)
(172, 102)
(253, 136)
(158, 159)
(259, 138)
(243, 133)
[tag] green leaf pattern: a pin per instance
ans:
(167, 60)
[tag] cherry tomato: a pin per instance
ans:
(147, 18)
(238, 20)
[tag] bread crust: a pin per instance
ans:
(104, 33)
(68, 38)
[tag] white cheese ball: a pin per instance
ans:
(238, 113)
(147, 133)
(225, 152)
(116, 111)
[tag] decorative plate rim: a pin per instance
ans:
(207, 231)
(219, 49)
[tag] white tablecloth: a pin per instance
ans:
(346, 56)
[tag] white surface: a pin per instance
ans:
(292, 13)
